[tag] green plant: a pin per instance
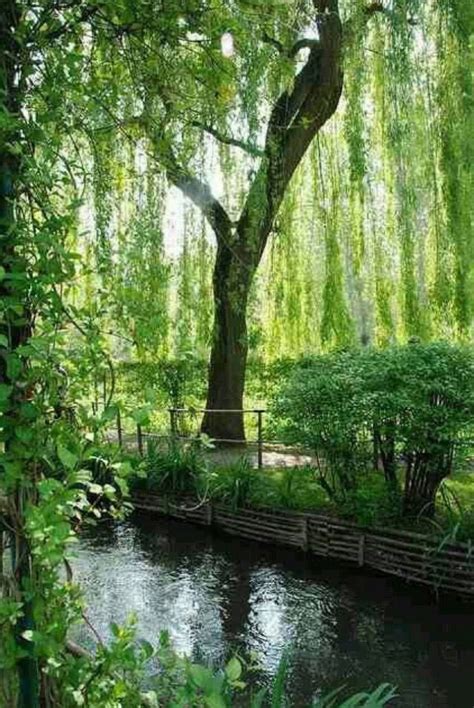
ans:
(233, 483)
(373, 502)
(176, 468)
(322, 407)
(377, 698)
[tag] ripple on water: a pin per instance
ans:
(218, 594)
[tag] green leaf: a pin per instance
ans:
(3, 341)
(82, 476)
(14, 366)
(67, 458)
(5, 391)
(122, 485)
(257, 700)
(24, 434)
(147, 648)
(215, 700)
(141, 416)
(110, 413)
(201, 676)
(233, 669)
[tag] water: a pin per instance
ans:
(216, 594)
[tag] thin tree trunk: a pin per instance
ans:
(422, 482)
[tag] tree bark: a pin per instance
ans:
(232, 279)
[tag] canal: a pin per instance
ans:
(218, 594)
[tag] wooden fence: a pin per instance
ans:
(414, 557)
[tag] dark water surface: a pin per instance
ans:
(215, 593)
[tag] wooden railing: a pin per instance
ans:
(259, 442)
(174, 414)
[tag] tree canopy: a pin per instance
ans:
(364, 191)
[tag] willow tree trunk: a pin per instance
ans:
(226, 380)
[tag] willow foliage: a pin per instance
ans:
(374, 238)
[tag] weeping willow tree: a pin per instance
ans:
(344, 129)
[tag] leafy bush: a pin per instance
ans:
(423, 403)
(320, 408)
(373, 502)
(403, 407)
(114, 677)
(175, 381)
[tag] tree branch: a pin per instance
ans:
(84, 15)
(199, 192)
(304, 43)
(374, 7)
(358, 21)
(281, 49)
(229, 140)
(294, 121)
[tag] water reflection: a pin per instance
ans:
(217, 594)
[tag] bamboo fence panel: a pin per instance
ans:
(413, 557)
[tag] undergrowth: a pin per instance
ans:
(177, 469)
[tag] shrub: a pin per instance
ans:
(424, 397)
(373, 502)
(321, 407)
(403, 407)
